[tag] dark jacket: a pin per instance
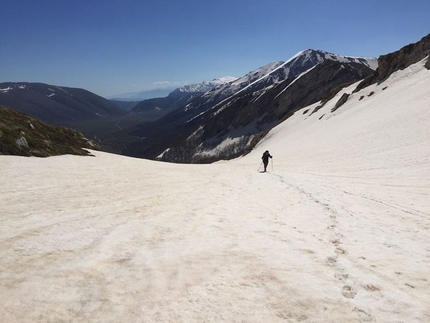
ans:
(265, 157)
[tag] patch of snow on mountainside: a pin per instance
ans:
(371, 62)
(233, 87)
(5, 90)
(295, 80)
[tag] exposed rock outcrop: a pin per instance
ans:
(399, 60)
(403, 58)
(340, 102)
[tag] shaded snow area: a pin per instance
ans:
(338, 230)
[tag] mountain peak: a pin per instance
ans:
(206, 85)
(314, 56)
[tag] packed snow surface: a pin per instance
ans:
(338, 230)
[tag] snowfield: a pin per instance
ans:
(338, 230)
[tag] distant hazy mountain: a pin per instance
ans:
(142, 95)
(161, 93)
(181, 96)
(126, 105)
(57, 105)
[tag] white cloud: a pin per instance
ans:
(169, 83)
(162, 83)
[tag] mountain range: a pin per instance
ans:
(240, 112)
(163, 92)
(181, 96)
(142, 95)
(56, 105)
(220, 119)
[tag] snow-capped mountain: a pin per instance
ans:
(268, 81)
(180, 96)
(205, 85)
(164, 92)
(229, 120)
(276, 72)
(225, 90)
(235, 125)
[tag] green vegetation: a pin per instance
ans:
(23, 135)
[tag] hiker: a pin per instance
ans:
(265, 159)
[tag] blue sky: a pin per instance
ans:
(117, 46)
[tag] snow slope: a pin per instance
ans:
(337, 231)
